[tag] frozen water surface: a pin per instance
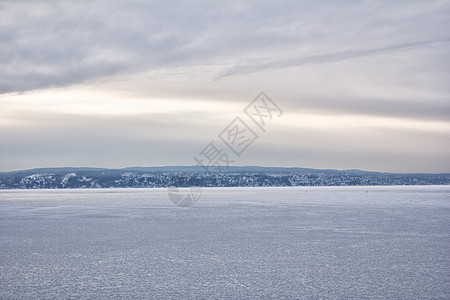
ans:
(241, 243)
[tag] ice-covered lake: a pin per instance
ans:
(237, 243)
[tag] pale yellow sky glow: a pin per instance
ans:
(79, 102)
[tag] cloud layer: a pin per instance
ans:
(356, 60)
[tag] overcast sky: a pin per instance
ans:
(362, 84)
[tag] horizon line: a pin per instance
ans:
(244, 166)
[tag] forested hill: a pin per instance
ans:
(183, 176)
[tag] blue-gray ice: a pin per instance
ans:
(238, 243)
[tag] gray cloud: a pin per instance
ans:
(325, 58)
(60, 139)
(56, 43)
(423, 110)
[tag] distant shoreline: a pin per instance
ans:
(64, 178)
